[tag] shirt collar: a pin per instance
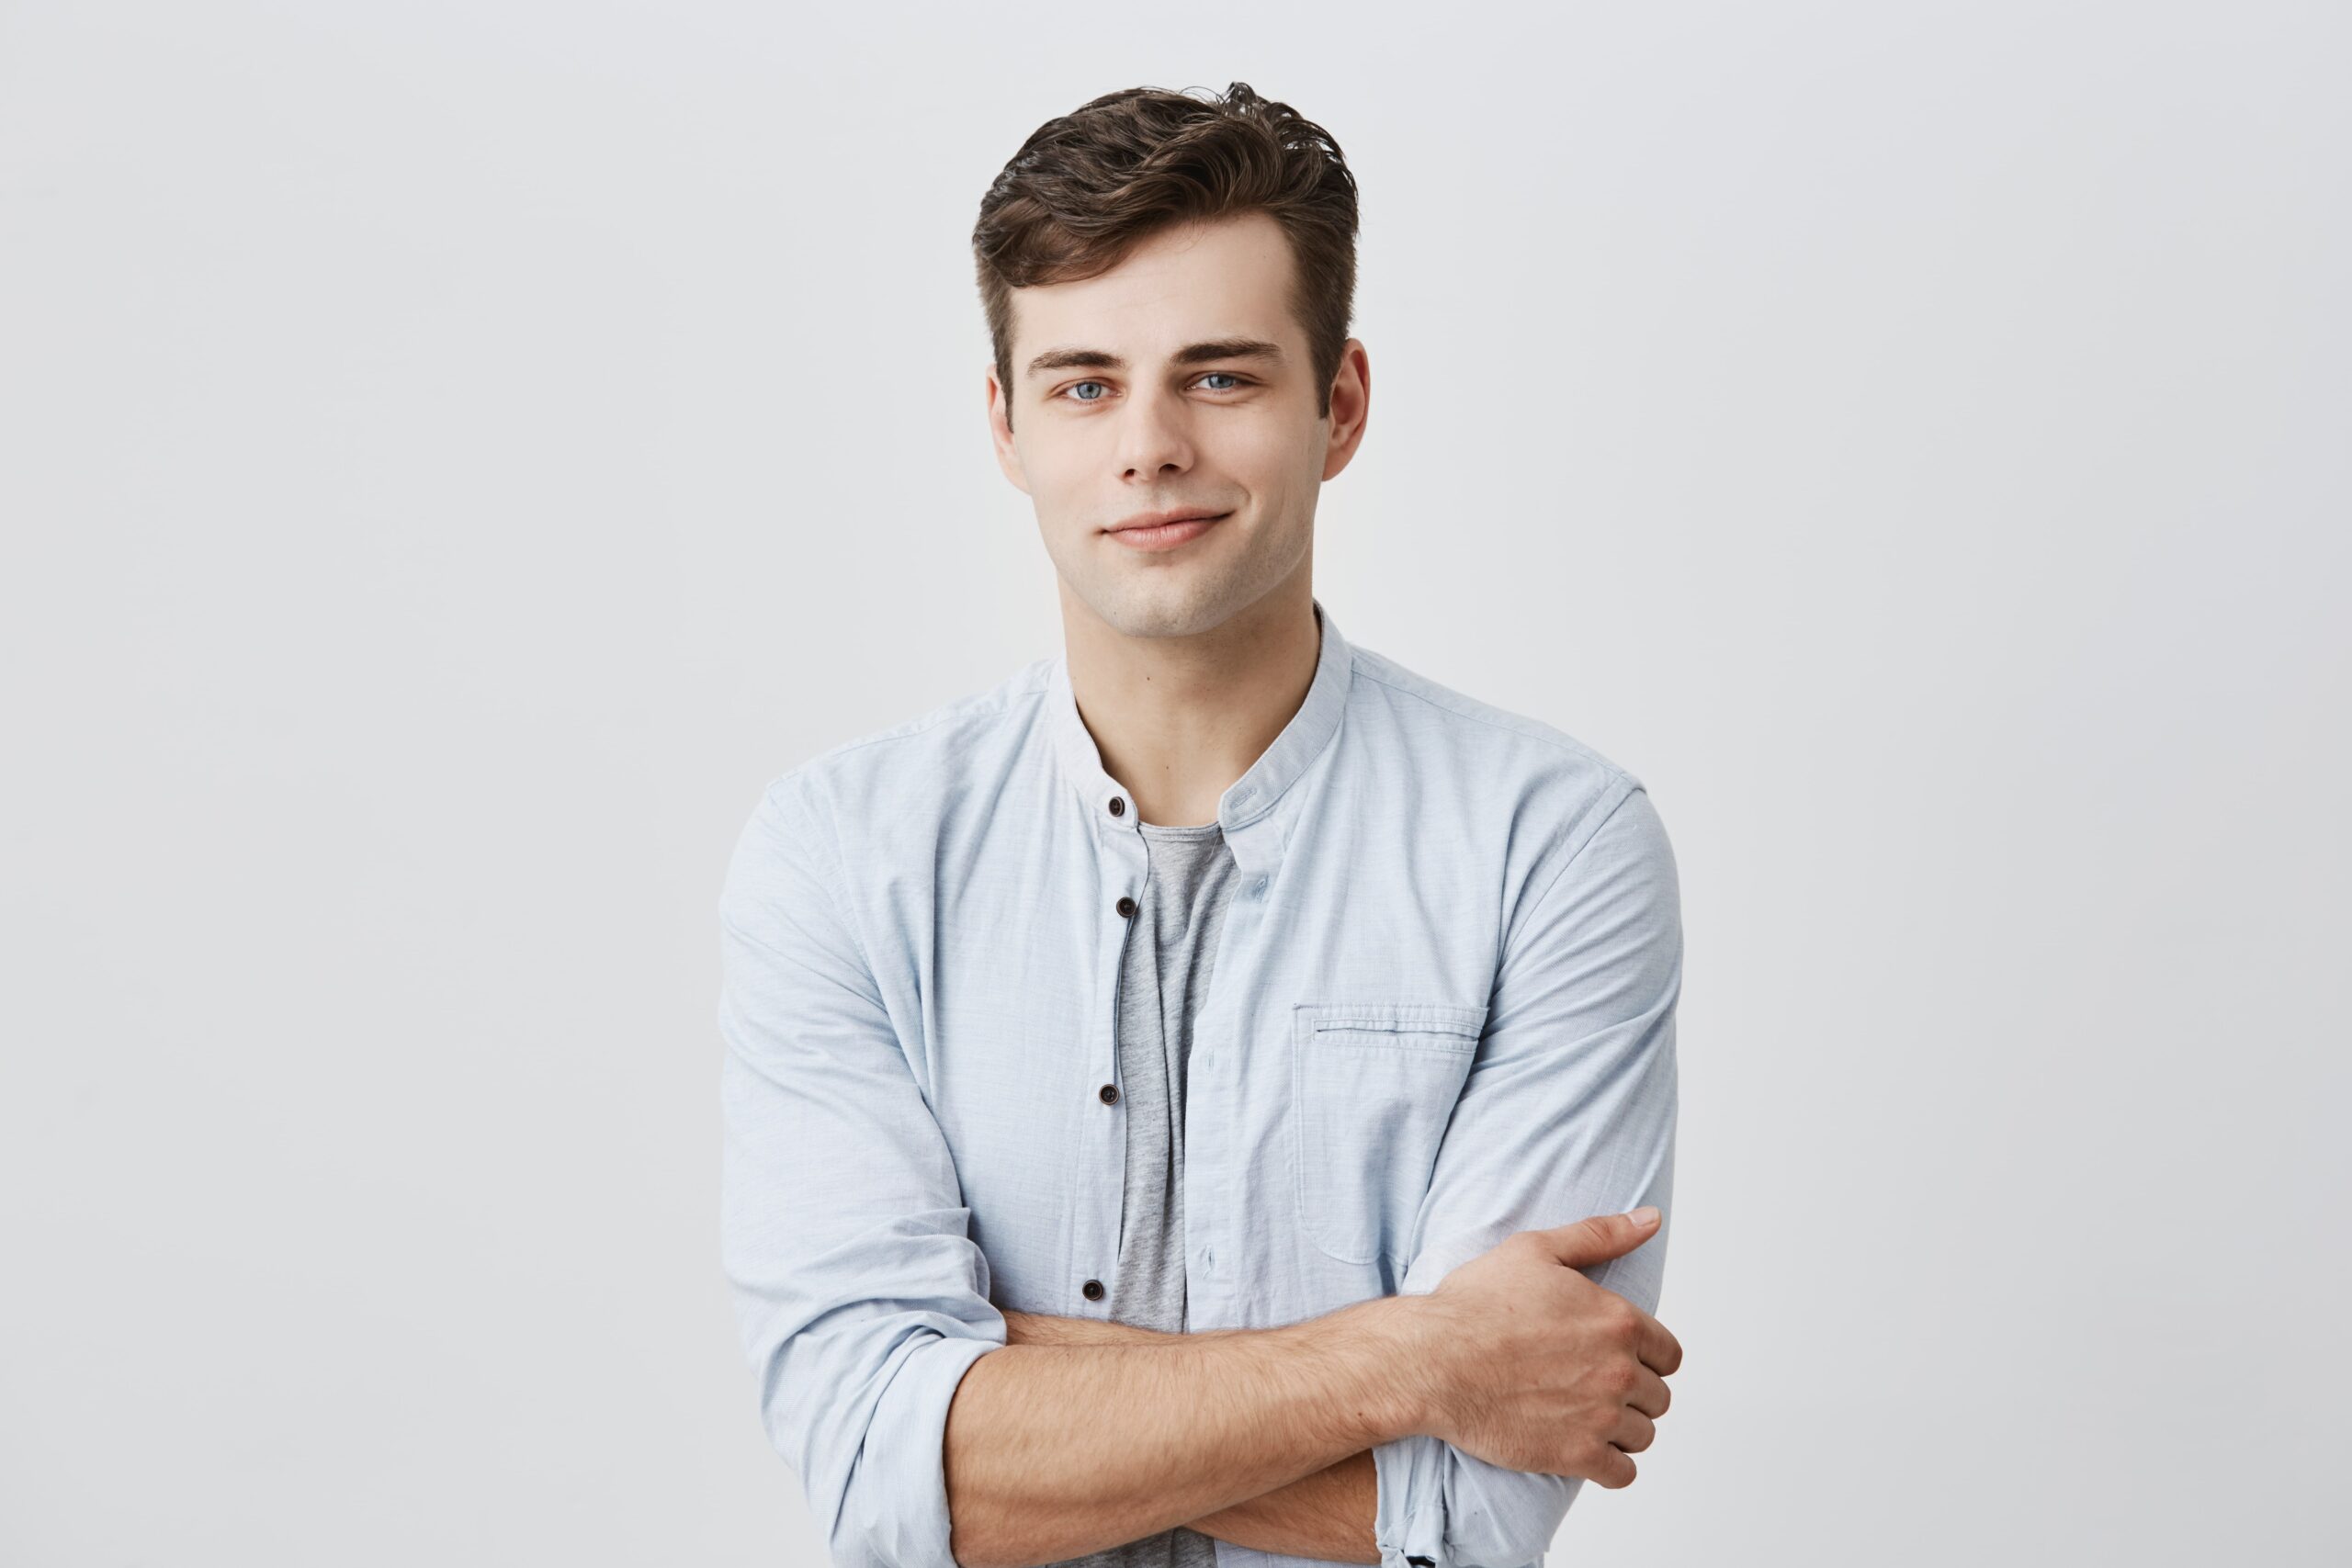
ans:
(1247, 802)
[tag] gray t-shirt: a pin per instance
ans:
(1163, 978)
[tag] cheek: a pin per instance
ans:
(1055, 466)
(1268, 454)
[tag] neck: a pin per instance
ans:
(1178, 719)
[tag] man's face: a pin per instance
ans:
(1178, 382)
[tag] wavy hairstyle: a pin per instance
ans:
(1087, 187)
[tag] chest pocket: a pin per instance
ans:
(1373, 1085)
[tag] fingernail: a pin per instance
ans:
(1645, 1215)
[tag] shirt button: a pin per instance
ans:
(1092, 1289)
(1126, 907)
(1109, 1093)
(1118, 806)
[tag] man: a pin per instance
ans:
(1182, 1103)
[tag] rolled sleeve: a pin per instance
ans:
(1568, 1112)
(845, 1242)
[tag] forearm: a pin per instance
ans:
(1326, 1514)
(1056, 1449)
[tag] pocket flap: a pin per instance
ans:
(1396, 1018)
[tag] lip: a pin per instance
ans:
(1164, 530)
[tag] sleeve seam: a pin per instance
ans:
(1634, 787)
(830, 851)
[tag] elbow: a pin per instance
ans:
(887, 1532)
(878, 1477)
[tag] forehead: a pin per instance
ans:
(1229, 277)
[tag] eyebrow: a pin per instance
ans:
(1190, 354)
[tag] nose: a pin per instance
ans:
(1155, 437)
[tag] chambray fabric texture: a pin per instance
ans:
(1443, 1010)
(1169, 962)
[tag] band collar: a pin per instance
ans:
(1246, 804)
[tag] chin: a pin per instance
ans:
(1133, 608)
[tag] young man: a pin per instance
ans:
(1182, 1104)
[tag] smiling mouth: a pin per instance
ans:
(1166, 535)
(1163, 519)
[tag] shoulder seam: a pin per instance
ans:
(977, 704)
(1526, 727)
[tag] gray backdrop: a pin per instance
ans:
(455, 454)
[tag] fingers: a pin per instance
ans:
(1660, 1350)
(1635, 1431)
(1649, 1394)
(1613, 1469)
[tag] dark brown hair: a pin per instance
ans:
(1087, 187)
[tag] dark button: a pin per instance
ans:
(1110, 1092)
(1092, 1289)
(1118, 806)
(1126, 907)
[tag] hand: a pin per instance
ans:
(1535, 1368)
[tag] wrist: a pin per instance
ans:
(1404, 1375)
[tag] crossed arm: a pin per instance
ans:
(862, 1299)
(1326, 1515)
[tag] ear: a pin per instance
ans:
(1350, 404)
(1008, 457)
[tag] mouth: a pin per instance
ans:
(1164, 530)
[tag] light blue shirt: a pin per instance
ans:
(1441, 1011)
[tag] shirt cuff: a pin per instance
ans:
(896, 1510)
(1408, 1515)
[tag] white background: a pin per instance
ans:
(453, 454)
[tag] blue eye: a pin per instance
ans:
(1078, 391)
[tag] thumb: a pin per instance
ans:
(1601, 1237)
